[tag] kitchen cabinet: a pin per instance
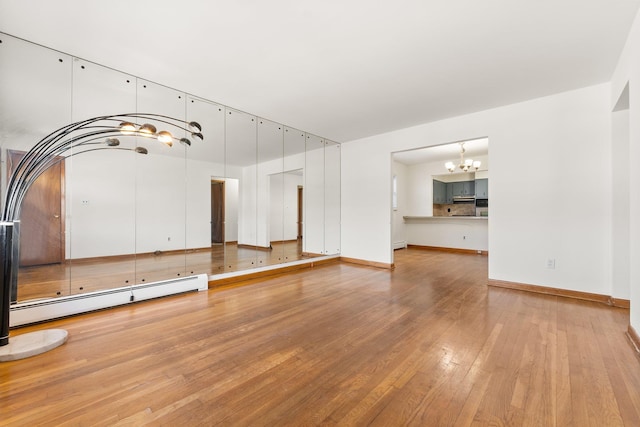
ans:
(449, 199)
(463, 188)
(439, 192)
(482, 188)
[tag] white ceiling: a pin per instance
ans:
(341, 69)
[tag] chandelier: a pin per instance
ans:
(465, 165)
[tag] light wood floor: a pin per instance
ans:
(428, 344)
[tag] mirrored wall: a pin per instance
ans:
(253, 193)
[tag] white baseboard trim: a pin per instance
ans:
(41, 310)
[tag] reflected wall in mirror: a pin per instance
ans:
(30, 108)
(286, 214)
(293, 166)
(331, 198)
(253, 193)
(269, 186)
(313, 243)
(240, 161)
(205, 166)
(95, 194)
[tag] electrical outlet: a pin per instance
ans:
(85, 202)
(551, 263)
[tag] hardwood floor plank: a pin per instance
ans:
(428, 343)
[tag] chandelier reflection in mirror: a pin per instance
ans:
(464, 165)
(98, 133)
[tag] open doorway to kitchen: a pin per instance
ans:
(441, 196)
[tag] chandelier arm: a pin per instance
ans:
(181, 127)
(45, 143)
(54, 160)
(50, 145)
(56, 135)
(37, 159)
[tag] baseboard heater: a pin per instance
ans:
(41, 310)
(401, 244)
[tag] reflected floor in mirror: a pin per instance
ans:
(95, 274)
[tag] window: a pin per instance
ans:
(394, 199)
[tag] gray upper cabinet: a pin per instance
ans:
(449, 193)
(439, 192)
(463, 188)
(482, 188)
(457, 188)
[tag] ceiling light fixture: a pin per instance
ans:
(465, 165)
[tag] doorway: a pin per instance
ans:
(217, 211)
(42, 215)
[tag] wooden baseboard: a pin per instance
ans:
(284, 241)
(254, 247)
(634, 338)
(452, 250)
(233, 281)
(311, 254)
(586, 296)
(129, 257)
(367, 263)
(622, 303)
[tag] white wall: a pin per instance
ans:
(620, 204)
(399, 235)
(628, 72)
(461, 233)
(313, 234)
(284, 206)
(548, 156)
(100, 204)
(231, 198)
(143, 206)
(331, 195)
(122, 203)
(256, 214)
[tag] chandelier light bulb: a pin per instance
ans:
(195, 126)
(450, 166)
(147, 130)
(165, 137)
(127, 128)
(464, 165)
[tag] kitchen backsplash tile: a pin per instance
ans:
(467, 209)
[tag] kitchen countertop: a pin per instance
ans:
(455, 218)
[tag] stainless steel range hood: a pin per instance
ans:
(464, 199)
